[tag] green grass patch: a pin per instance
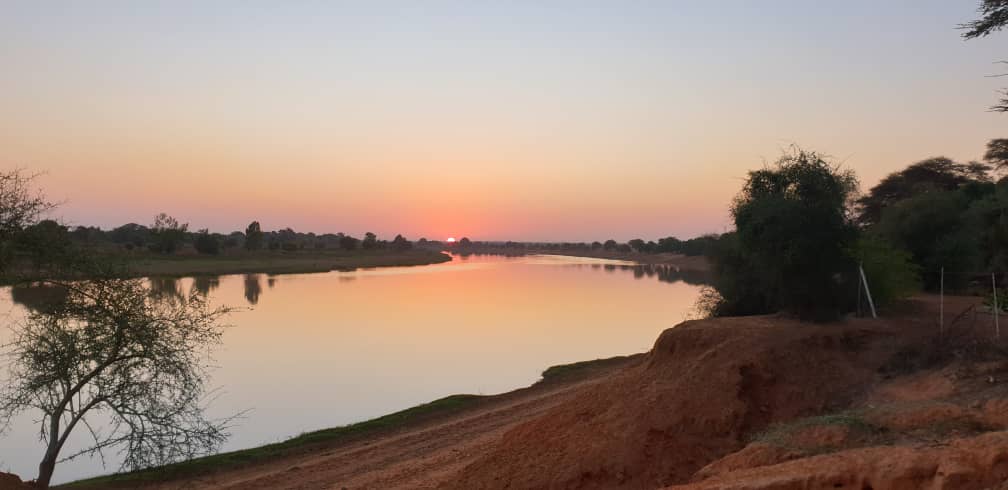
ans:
(302, 443)
(568, 372)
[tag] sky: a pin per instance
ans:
(544, 120)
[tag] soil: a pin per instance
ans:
(734, 403)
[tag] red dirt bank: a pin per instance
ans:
(734, 403)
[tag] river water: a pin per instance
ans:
(310, 351)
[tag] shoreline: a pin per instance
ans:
(555, 379)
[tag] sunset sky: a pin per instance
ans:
(493, 120)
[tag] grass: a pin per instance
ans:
(302, 443)
(582, 369)
(316, 440)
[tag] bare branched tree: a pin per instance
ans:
(993, 17)
(21, 205)
(126, 366)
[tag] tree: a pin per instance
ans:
(933, 174)
(46, 242)
(370, 241)
(348, 243)
(609, 245)
(792, 240)
(400, 243)
(997, 153)
(111, 350)
(465, 242)
(637, 245)
(933, 228)
(21, 205)
(206, 243)
(993, 17)
(253, 236)
(167, 233)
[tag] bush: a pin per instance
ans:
(890, 271)
(790, 249)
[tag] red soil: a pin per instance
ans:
(735, 403)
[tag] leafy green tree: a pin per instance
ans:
(933, 174)
(167, 233)
(370, 241)
(891, 272)
(934, 229)
(109, 351)
(253, 236)
(792, 239)
(46, 242)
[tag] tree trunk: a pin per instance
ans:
(46, 468)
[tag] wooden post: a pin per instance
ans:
(997, 328)
(941, 304)
(867, 292)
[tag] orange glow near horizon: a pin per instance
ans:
(451, 239)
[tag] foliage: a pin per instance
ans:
(112, 350)
(400, 243)
(934, 229)
(931, 175)
(206, 243)
(890, 271)
(370, 241)
(609, 245)
(253, 236)
(20, 206)
(167, 234)
(993, 17)
(792, 240)
(997, 153)
(347, 242)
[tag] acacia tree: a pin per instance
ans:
(993, 17)
(128, 367)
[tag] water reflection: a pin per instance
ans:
(662, 272)
(166, 288)
(205, 284)
(253, 288)
(38, 296)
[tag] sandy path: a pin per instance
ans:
(420, 457)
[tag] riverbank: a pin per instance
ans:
(744, 403)
(500, 409)
(275, 262)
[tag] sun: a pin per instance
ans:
(451, 239)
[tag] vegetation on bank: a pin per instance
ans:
(278, 263)
(309, 441)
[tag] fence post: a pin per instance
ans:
(867, 292)
(941, 305)
(997, 328)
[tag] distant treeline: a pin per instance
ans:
(166, 235)
(701, 245)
